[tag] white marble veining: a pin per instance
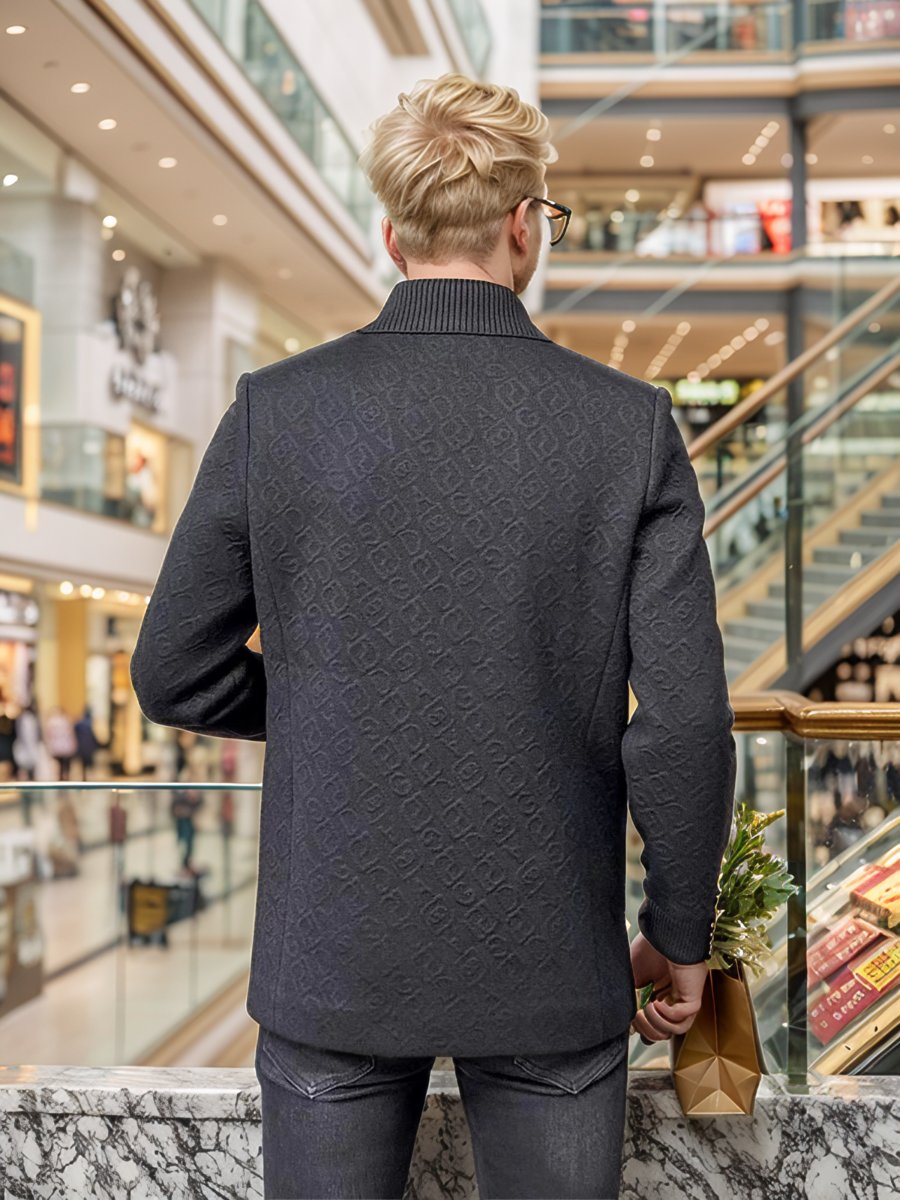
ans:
(146, 1132)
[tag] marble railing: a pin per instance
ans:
(146, 1132)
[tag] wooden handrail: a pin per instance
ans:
(753, 403)
(782, 710)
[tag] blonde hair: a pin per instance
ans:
(451, 160)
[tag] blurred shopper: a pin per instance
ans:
(465, 541)
(86, 741)
(27, 744)
(59, 736)
(184, 805)
(7, 738)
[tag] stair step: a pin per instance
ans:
(773, 609)
(755, 629)
(741, 650)
(890, 500)
(811, 590)
(844, 554)
(832, 574)
(869, 535)
(883, 518)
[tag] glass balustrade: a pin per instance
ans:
(666, 30)
(842, 797)
(111, 942)
(476, 31)
(250, 36)
(16, 273)
(856, 21)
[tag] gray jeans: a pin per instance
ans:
(336, 1124)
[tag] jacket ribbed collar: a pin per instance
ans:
(441, 304)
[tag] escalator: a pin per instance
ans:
(846, 442)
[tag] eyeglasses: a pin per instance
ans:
(558, 216)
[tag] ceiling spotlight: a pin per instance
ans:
(653, 135)
(9, 180)
(13, 29)
(85, 589)
(80, 88)
(67, 587)
(220, 219)
(118, 255)
(629, 326)
(110, 221)
(107, 123)
(168, 162)
(890, 127)
(646, 160)
(787, 160)
(98, 593)
(761, 323)
(683, 327)
(748, 160)
(812, 159)
(632, 195)
(868, 159)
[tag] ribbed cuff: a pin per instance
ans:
(681, 939)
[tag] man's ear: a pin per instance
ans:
(390, 244)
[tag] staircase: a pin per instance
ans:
(761, 625)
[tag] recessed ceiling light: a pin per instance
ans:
(79, 88)
(653, 135)
(292, 345)
(890, 127)
(748, 160)
(812, 159)
(13, 29)
(98, 593)
(787, 160)
(67, 587)
(9, 180)
(683, 327)
(85, 589)
(220, 219)
(110, 221)
(118, 255)
(761, 322)
(629, 326)
(632, 195)
(868, 159)
(774, 338)
(107, 123)
(168, 162)
(646, 160)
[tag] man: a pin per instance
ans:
(460, 541)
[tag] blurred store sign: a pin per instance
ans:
(137, 323)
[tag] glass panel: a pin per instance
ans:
(670, 30)
(475, 30)
(248, 34)
(852, 20)
(114, 941)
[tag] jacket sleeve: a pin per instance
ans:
(191, 667)
(678, 750)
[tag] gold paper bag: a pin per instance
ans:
(718, 1063)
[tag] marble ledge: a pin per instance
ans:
(232, 1093)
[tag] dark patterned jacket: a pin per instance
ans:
(460, 541)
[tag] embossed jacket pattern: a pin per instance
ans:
(460, 540)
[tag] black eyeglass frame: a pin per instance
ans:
(564, 211)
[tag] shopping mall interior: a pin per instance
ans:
(182, 203)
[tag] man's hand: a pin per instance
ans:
(677, 988)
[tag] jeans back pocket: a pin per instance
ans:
(308, 1069)
(574, 1070)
